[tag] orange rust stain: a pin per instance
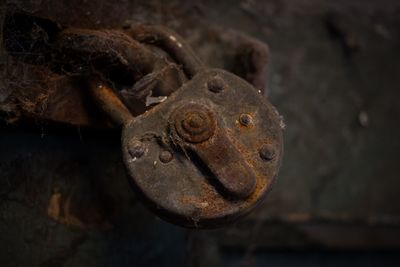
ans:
(249, 127)
(53, 209)
(59, 209)
(217, 204)
(211, 203)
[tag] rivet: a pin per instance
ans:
(165, 156)
(245, 119)
(267, 152)
(216, 85)
(136, 149)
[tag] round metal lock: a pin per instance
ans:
(202, 162)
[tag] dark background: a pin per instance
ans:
(334, 76)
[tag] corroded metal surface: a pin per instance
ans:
(138, 60)
(135, 70)
(208, 181)
(109, 102)
(198, 129)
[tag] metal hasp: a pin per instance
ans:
(208, 154)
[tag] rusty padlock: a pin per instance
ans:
(205, 156)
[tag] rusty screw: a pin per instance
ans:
(165, 156)
(267, 152)
(216, 85)
(136, 149)
(245, 119)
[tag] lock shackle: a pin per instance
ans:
(109, 102)
(165, 39)
(170, 42)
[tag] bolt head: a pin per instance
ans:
(245, 119)
(216, 85)
(194, 123)
(166, 156)
(136, 149)
(267, 152)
